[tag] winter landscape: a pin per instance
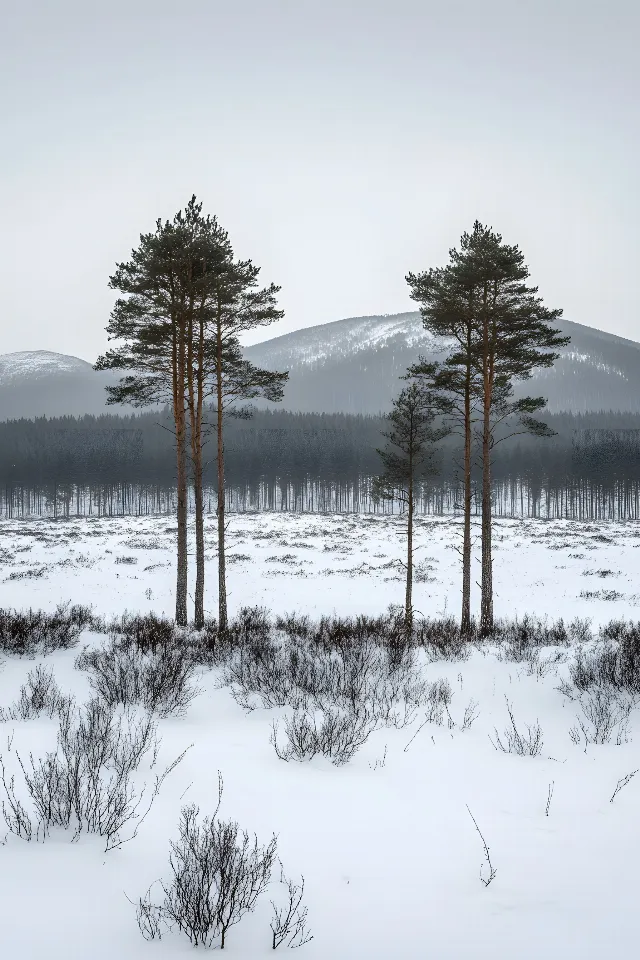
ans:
(319, 571)
(393, 863)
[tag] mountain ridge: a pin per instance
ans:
(351, 365)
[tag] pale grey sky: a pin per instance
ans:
(341, 143)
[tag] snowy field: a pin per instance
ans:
(391, 858)
(320, 564)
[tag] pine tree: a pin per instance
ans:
(212, 264)
(514, 336)
(186, 301)
(413, 434)
(448, 300)
(159, 289)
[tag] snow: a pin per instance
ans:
(314, 563)
(575, 356)
(30, 363)
(345, 337)
(389, 853)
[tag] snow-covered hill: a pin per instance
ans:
(353, 365)
(35, 364)
(349, 366)
(35, 383)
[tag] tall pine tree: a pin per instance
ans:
(500, 332)
(515, 336)
(159, 287)
(448, 299)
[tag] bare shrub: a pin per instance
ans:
(335, 734)
(487, 870)
(150, 917)
(443, 640)
(536, 665)
(85, 784)
(40, 694)
(580, 630)
(148, 633)
(614, 661)
(124, 673)
(304, 674)
(289, 922)
(605, 717)
(438, 700)
(31, 633)
(622, 782)
(218, 873)
(527, 744)
(251, 630)
(521, 636)
(471, 714)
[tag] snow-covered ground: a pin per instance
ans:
(319, 564)
(389, 852)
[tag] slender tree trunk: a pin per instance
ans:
(486, 587)
(181, 458)
(199, 523)
(486, 601)
(222, 576)
(198, 488)
(465, 619)
(408, 604)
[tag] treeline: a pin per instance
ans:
(114, 465)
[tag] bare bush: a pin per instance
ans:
(605, 717)
(85, 784)
(40, 694)
(438, 700)
(443, 640)
(614, 662)
(335, 734)
(622, 782)
(487, 870)
(218, 873)
(536, 665)
(306, 675)
(148, 633)
(123, 673)
(289, 922)
(520, 636)
(471, 714)
(150, 917)
(524, 745)
(31, 633)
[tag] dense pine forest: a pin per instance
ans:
(114, 465)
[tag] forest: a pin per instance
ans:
(276, 460)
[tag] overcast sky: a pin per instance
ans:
(341, 143)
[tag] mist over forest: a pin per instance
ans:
(280, 460)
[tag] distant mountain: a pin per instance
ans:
(348, 366)
(353, 366)
(36, 383)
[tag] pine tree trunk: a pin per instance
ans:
(465, 619)
(181, 458)
(222, 576)
(486, 601)
(486, 586)
(408, 605)
(199, 522)
(198, 480)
